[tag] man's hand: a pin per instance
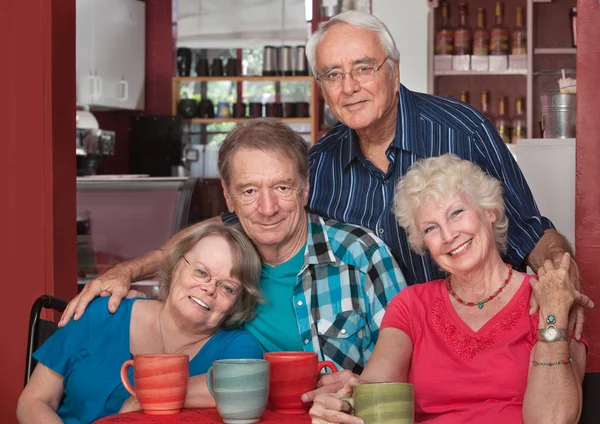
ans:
(129, 405)
(115, 282)
(329, 383)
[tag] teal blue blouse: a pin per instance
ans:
(88, 353)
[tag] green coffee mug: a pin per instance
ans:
(383, 403)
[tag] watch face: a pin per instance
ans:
(551, 333)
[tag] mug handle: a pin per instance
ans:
(125, 377)
(349, 400)
(209, 381)
(326, 364)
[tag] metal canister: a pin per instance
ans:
(559, 115)
(269, 61)
(300, 64)
(285, 61)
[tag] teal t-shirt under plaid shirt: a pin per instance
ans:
(277, 284)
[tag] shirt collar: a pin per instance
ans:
(407, 130)
(318, 248)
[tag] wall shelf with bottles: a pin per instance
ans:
(543, 33)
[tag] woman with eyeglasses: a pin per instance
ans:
(208, 288)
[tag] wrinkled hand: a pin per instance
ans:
(576, 315)
(114, 282)
(328, 408)
(129, 405)
(329, 383)
(554, 288)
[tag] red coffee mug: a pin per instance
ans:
(292, 375)
(161, 381)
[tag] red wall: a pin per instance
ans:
(587, 212)
(37, 221)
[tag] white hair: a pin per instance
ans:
(358, 20)
(445, 176)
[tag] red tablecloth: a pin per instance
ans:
(204, 416)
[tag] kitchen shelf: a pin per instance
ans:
(241, 120)
(244, 78)
(507, 72)
(310, 120)
(555, 50)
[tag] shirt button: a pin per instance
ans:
(343, 331)
(386, 181)
(299, 303)
(381, 231)
(306, 341)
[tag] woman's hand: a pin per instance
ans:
(330, 408)
(129, 405)
(553, 287)
(329, 383)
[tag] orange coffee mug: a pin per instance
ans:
(161, 381)
(292, 375)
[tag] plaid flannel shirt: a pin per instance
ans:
(348, 277)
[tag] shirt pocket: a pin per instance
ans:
(341, 339)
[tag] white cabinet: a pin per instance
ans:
(111, 53)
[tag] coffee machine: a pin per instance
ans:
(91, 143)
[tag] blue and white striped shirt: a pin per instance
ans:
(347, 187)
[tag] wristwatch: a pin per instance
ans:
(551, 333)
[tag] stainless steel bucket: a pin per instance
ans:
(559, 115)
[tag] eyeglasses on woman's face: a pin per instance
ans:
(201, 275)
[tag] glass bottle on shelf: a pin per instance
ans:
(464, 96)
(444, 37)
(519, 35)
(463, 35)
(485, 104)
(519, 122)
(499, 33)
(481, 35)
(502, 122)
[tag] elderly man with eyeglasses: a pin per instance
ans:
(384, 128)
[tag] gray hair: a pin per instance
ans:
(246, 267)
(358, 20)
(268, 135)
(446, 176)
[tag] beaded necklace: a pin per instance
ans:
(480, 304)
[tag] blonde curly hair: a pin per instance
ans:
(446, 176)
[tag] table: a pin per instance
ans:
(203, 416)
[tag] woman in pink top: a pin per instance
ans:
(468, 343)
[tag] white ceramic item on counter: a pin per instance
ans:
(211, 157)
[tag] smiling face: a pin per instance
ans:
(268, 196)
(200, 301)
(457, 232)
(344, 48)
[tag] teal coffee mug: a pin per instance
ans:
(240, 388)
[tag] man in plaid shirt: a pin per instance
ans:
(326, 284)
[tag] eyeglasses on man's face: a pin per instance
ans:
(361, 74)
(201, 275)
